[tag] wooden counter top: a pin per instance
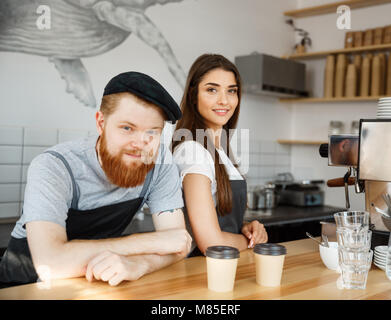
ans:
(304, 277)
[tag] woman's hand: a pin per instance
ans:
(255, 232)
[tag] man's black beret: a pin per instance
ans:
(145, 88)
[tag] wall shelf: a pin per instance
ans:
(320, 100)
(320, 10)
(332, 7)
(321, 54)
(302, 142)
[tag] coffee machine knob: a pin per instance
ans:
(324, 150)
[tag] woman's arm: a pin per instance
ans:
(203, 215)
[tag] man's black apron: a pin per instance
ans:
(233, 221)
(16, 266)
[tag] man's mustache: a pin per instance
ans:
(133, 152)
(138, 152)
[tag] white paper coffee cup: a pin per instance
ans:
(221, 262)
(269, 263)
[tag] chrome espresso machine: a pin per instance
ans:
(368, 159)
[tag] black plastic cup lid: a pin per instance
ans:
(270, 249)
(222, 252)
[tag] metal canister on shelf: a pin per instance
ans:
(336, 127)
(252, 197)
(355, 127)
(261, 198)
(270, 196)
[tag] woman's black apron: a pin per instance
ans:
(233, 221)
(16, 266)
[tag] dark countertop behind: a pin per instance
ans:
(291, 214)
(274, 217)
(278, 216)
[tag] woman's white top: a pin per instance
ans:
(192, 157)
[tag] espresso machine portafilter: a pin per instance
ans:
(342, 151)
(367, 157)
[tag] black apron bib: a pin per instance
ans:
(233, 221)
(16, 266)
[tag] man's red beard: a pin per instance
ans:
(118, 172)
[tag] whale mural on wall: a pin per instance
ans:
(79, 29)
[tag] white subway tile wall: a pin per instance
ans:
(11, 154)
(10, 173)
(40, 137)
(30, 152)
(18, 146)
(24, 173)
(261, 160)
(9, 192)
(67, 135)
(9, 209)
(11, 136)
(266, 159)
(23, 188)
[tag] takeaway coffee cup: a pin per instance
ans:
(269, 263)
(221, 263)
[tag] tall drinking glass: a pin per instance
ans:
(354, 220)
(349, 239)
(355, 266)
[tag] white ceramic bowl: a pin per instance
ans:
(329, 256)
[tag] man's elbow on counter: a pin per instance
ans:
(54, 266)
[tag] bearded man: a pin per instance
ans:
(81, 195)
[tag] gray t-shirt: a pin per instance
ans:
(49, 191)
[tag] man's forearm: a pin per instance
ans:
(70, 259)
(156, 262)
(139, 243)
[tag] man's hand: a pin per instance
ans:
(255, 232)
(114, 268)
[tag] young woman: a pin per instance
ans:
(215, 192)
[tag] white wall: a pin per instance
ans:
(33, 94)
(310, 121)
(34, 97)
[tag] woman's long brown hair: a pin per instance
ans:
(192, 120)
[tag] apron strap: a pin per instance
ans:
(75, 198)
(145, 188)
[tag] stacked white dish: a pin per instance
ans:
(384, 108)
(380, 256)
